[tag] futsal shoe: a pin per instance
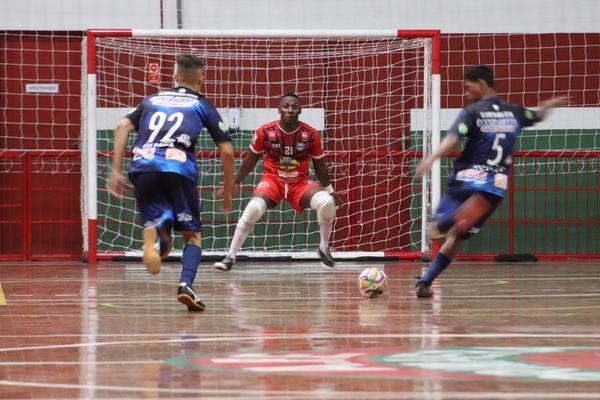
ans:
(224, 265)
(151, 257)
(187, 296)
(423, 290)
(327, 260)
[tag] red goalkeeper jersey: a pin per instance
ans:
(287, 154)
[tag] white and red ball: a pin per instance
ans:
(372, 282)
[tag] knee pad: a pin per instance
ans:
(324, 204)
(252, 213)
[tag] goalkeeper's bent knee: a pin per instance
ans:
(324, 204)
(252, 213)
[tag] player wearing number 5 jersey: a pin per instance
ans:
(164, 173)
(479, 181)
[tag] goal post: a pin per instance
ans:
(374, 95)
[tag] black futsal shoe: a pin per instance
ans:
(423, 290)
(225, 264)
(327, 260)
(187, 296)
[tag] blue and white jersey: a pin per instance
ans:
(491, 128)
(168, 125)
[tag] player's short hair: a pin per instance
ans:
(482, 72)
(188, 63)
(290, 94)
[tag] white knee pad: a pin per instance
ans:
(252, 213)
(324, 204)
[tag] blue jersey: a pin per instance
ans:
(491, 128)
(168, 125)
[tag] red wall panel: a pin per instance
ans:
(529, 68)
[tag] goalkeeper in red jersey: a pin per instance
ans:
(286, 145)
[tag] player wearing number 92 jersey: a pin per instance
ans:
(168, 125)
(164, 173)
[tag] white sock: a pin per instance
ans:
(325, 234)
(239, 237)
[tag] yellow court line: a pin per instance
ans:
(2, 298)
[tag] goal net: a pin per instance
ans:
(368, 93)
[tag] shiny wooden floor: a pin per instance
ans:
(294, 331)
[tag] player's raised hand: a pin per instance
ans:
(548, 104)
(555, 101)
(117, 184)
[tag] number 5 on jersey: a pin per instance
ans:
(498, 148)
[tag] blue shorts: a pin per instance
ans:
(456, 194)
(172, 199)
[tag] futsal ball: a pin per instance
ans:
(372, 282)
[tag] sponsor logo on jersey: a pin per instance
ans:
(145, 153)
(497, 114)
(159, 145)
(300, 146)
(173, 101)
(497, 125)
(222, 126)
(288, 162)
(176, 155)
(471, 175)
(184, 217)
(185, 140)
(501, 181)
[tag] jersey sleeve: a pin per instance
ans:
(213, 122)
(463, 124)
(316, 151)
(527, 117)
(134, 116)
(257, 145)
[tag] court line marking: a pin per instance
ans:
(312, 336)
(317, 277)
(307, 394)
(280, 312)
(2, 297)
(66, 301)
(36, 363)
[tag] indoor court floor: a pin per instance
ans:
(290, 330)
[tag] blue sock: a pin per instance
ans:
(437, 267)
(192, 255)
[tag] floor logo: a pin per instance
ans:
(545, 363)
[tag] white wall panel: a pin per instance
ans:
(477, 16)
(78, 14)
(531, 16)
